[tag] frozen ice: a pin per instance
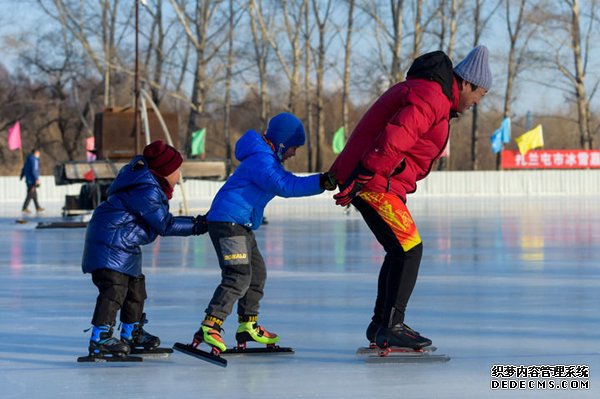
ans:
(503, 281)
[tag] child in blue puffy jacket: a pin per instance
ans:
(134, 214)
(236, 211)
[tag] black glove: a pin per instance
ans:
(200, 225)
(327, 182)
(359, 177)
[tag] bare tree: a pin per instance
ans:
(261, 57)
(207, 39)
(390, 32)
(89, 23)
(481, 18)
(234, 13)
(347, 59)
(448, 10)
(570, 36)
(156, 55)
(418, 33)
(321, 22)
(308, 87)
(292, 13)
(520, 28)
(580, 58)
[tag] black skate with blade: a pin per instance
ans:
(395, 354)
(212, 357)
(400, 344)
(402, 336)
(144, 343)
(108, 358)
(405, 355)
(156, 352)
(242, 349)
(108, 349)
(375, 350)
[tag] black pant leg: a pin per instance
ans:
(133, 307)
(112, 290)
(29, 196)
(403, 282)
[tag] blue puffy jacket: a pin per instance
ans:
(135, 213)
(259, 177)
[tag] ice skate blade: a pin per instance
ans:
(152, 353)
(200, 354)
(110, 359)
(407, 358)
(367, 350)
(265, 350)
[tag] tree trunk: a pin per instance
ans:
(347, 59)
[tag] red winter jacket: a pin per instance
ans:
(399, 137)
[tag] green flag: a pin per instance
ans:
(339, 141)
(198, 142)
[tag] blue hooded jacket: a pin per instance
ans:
(135, 213)
(259, 177)
(31, 170)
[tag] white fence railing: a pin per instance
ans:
(480, 183)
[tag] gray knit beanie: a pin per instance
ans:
(475, 68)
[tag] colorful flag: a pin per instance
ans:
(505, 127)
(198, 142)
(496, 140)
(14, 136)
(530, 140)
(501, 135)
(90, 148)
(339, 141)
(89, 175)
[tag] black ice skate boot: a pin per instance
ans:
(137, 338)
(102, 343)
(400, 335)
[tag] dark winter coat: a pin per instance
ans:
(259, 177)
(31, 170)
(134, 214)
(405, 130)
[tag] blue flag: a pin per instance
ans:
(505, 128)
(496, 141)
(501, 135)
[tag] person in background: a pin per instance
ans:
(31, 173)
(393, 146)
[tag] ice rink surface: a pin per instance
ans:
(505, 282)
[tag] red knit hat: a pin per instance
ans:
(162, 158)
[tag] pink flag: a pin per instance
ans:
(14, 136)
(90, 146)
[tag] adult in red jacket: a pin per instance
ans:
(393, 146)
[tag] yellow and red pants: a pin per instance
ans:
(393, 226)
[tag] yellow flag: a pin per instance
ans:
(530, 140)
